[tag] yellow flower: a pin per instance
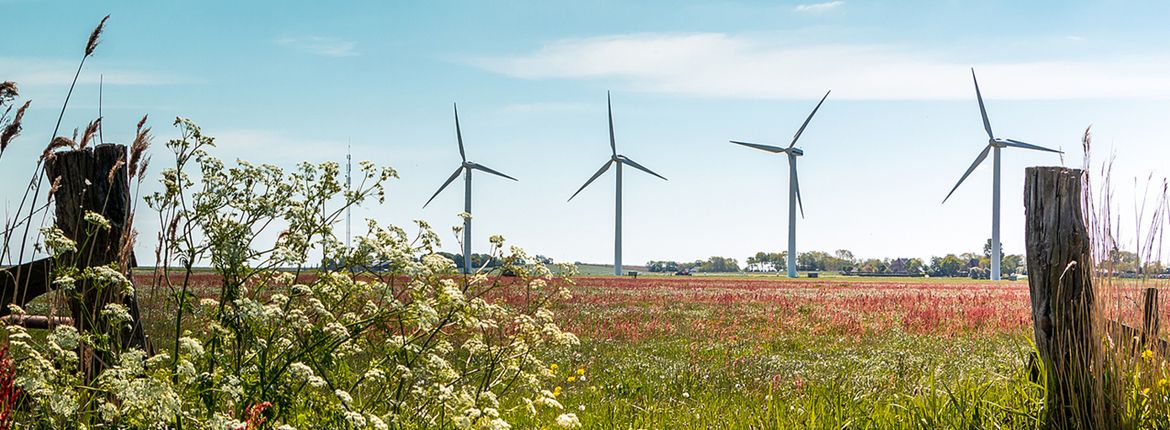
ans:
(1146, 392)
(553, 367)
(581, 371)
(1147, 354)
(557, 391)
(1162, 383)
(572, 378)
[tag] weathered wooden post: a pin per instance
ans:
(85, 180)
(1150, 319)
(1060, 273)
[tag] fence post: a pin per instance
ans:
(1150, 318)
(1060, 276)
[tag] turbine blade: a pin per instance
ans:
(979, 159)
(982, 110)
(802, 126)
(1017, 144)
(769, 148)
(459, 135)
(796, 183)
(612, 142)
(638, 166)
(445, 184)
(590, 181)
(478, 166)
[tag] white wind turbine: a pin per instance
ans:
(619, 160)
(793, 183)
(993, 143)
(466, 169)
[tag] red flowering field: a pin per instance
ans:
(729, 308)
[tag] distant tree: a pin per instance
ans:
(949, 265)
(915, 266)
(987, 249)
(719, 264)
(1011, 264)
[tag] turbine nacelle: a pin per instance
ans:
(467, 166)
(992, 141)
(795, 152)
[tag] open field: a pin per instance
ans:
(752, 353)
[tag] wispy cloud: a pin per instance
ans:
(747, 66)
(819, 7)
(317, 45)
(39, 71)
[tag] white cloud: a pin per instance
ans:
(746, 66)
(37, 72)
(819, 7)
(326, 46)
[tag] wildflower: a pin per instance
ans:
(571, 379)
(556, 391)
(96, 219)
(343, 396)
(1147, 354)
(336, 329)
(56, 241)
(553, 367)
(190, 346)
(568, 421)
(117, 313)
(356, 419)
(581, 371)
(686, 395)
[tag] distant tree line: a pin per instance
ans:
(968, 264)
(1123, 262)
(477, 260)
(714, 264)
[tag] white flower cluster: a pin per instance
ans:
(385, 335)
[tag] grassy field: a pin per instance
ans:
(762, 352)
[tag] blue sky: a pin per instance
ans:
(282, 82)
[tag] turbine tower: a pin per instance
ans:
(793, 183)
(994, 144)
(619, 160)
(466, 169)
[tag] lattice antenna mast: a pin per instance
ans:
(348, 209)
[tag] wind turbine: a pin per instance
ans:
(993, 143)
(793, 183)
(466, 169)
(619, 160)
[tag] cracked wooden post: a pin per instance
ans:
(1060, 274)
(95, 180)
(1150, 319)
(85, 180)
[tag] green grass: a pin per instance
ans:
(804, 381)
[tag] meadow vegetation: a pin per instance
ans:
(259, 317)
